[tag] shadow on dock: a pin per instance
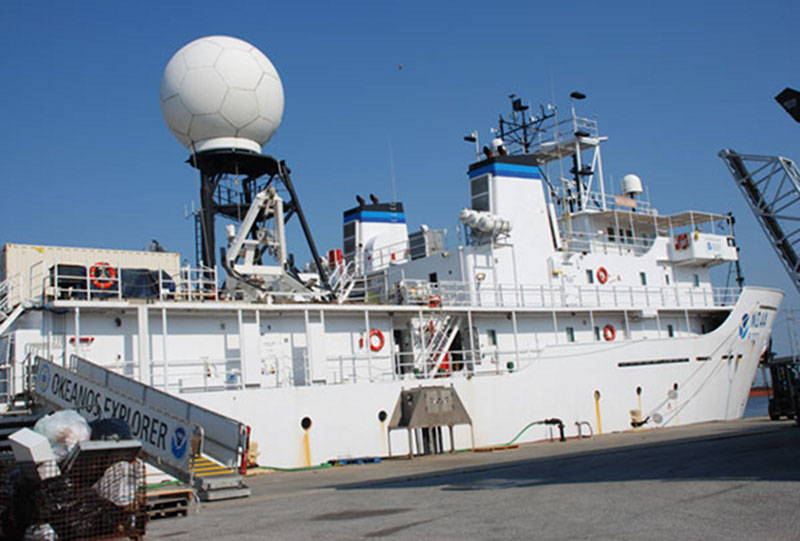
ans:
(767, 455)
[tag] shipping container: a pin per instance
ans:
(29, 268)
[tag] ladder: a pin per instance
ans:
(172, 431)
(435, 339)
(771, 186)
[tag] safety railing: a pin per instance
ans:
(197, 375)
(611, 202)
(10, 291)
(420, 292)
(607, 244)
(106, 282)
(404, 366)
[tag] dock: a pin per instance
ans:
(732, 480)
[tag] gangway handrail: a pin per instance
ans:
(167, 426)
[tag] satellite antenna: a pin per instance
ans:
(223, 100)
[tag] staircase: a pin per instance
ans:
(8, 312)
(342, 281)
(434, 340)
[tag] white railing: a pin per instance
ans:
(606, 244)
(421, 292)
(197, 375)
(10, 291)
(405, 367)
(608, 201)
(115, 283)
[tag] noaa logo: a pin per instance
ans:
(44, 377)
(745, 326)
(179, 442)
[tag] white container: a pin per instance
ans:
(27, 266)
(30, 446)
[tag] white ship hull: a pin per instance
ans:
(682, 379)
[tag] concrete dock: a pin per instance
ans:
(731, 480)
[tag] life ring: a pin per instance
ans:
(609, 333)
(682, 241)
(376, 340)
(103, 275)
(602, 275)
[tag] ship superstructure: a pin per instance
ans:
(553, 300)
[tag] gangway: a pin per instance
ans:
(172, 431)
(771, 186)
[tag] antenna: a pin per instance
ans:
(391, 168)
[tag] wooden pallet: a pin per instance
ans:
(167, 502)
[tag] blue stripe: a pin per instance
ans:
(376, 216)
(507, 170)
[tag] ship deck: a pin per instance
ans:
(734, 480)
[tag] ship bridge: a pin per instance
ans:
(690, 237)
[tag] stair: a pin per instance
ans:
(217, 482)
(8, 319)
(434, 348)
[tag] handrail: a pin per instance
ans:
(419, 292)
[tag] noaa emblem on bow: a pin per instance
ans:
(744, 326)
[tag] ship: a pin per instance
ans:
(554, 309)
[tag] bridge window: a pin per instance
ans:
(570, 334)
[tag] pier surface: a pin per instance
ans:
(731, 480)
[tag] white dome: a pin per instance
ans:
(221, 92)
(631, 185)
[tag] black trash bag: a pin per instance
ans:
(110, 430)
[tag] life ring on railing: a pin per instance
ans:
(376, 340)
(609, 333)
(602, 275)
(103, 275)
(682, 241)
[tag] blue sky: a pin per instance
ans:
(88, 161)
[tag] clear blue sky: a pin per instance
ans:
(88, 161)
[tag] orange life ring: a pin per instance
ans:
(373, 345)
(103, 275)
(602, 275)
(609, 333)
(682, 241)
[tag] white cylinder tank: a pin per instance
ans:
(631, 185)
(221, 92)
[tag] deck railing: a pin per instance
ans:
(485, 295)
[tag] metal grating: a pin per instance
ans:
(97, 496)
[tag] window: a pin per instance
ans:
(696, 280)
(611, 237)
(491, 337)
(433, 278)
(597, 333)
(479, 189)
(570, 334)
(589, 276)
(629, 235)
(666, 278)
(643, 278)
(670, 330)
